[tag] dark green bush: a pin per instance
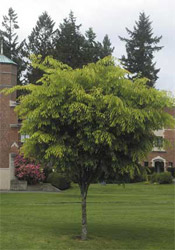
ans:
(165, 178)
(139, 175)
(47, 170)
(59, 180)
(172, 171)
(162, 178)
(153, 177)
(125, 178)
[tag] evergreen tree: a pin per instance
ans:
(94, 50)
(69, 43)
(106, 49)
(10, 24)
(90, 47)
(140, 48)
(12, 47)
(75, 49)
(40, 42)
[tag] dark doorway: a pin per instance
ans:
(159, 166)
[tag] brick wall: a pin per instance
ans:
(8, 135)
(169, 153)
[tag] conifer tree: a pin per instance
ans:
(40, 42)
(94, 50)
(69, 42)
(106, 47)
(140, 48)
(12, 47)
(75, 49)
(10, 25)
(91, 48)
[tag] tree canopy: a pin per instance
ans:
(90, 120)
(139, 50)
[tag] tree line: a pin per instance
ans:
(67, 44)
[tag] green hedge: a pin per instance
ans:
(59, 180)
(172, 171)
(162, 178)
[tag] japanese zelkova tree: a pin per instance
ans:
(90, 120)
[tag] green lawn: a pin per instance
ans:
(135, 217)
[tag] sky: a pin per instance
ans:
(107, 17)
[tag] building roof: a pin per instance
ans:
(6, 60)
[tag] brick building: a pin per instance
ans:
(162, 158)
(8, 122)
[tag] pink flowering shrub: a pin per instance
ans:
(20, 160)
(25, 170)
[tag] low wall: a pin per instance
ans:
(17, 185)
(4, 178)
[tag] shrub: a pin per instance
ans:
(139, 175)
(171, 170)
(47, 170)
(59, 180)
(20, 160)
(153, 177)
(162, 178)
(30, 173)
(27, 170)
(165, 178)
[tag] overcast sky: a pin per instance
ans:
(107, 17)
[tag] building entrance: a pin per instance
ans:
(159, 166)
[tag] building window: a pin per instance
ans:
(146, 163)
(24, 137)
(158, 142)
(13, 103)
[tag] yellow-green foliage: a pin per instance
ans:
(90, 119)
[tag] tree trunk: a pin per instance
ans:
(84, 215)
(84, 220)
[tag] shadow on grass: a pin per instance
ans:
(131, 233)
(101, 236)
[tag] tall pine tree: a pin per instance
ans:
(91, 47)
(94, 50)
(40, 42)
(69, 42)
(106, 49)
(140, 48)
(75, 49)
(10, 25)
(12, 48)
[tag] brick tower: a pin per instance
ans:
(8, 122)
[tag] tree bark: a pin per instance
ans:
(84, 219)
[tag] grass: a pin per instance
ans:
(135, 217)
